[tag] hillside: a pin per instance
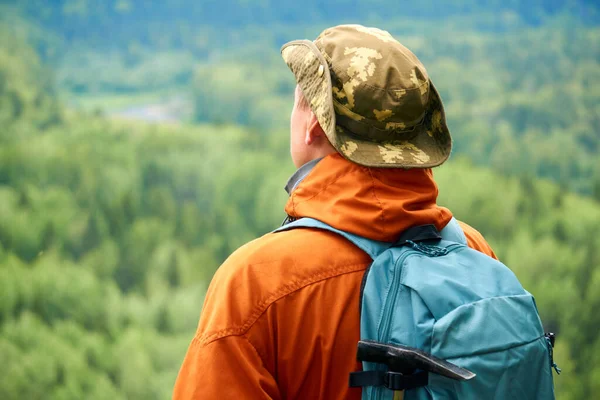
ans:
(110, 231)
(521, 83)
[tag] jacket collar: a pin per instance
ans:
(300, 174)
(375, 203)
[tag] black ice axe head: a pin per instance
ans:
(406, 360)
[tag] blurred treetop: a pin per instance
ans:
(171, 23)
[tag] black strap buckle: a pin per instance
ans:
(398, 381)
(389, 379)
(418, 234)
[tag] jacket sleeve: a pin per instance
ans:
(227, 368)
(476, 241)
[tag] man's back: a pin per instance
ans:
(281, 318)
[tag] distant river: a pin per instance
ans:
(171, 111)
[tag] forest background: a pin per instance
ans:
(142, 142)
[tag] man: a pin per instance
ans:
(281, 317)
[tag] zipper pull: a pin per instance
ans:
(550, 338)
(431, 251)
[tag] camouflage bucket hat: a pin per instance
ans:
(372, 97)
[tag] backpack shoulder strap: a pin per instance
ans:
(453, 232)
(372, 247)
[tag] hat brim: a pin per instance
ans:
(429, 144)
(312, 75)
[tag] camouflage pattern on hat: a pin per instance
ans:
(372, 97)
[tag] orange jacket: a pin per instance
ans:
(280, 319)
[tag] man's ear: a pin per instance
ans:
(313, 130)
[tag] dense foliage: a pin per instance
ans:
(110, 231)
(525, 102)
(109, 236)
(27, 93)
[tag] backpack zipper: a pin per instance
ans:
(391, 300)
(388, 307)
(383, 331)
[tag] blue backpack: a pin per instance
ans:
(440, 320)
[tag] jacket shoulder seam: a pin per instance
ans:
(284, 291)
